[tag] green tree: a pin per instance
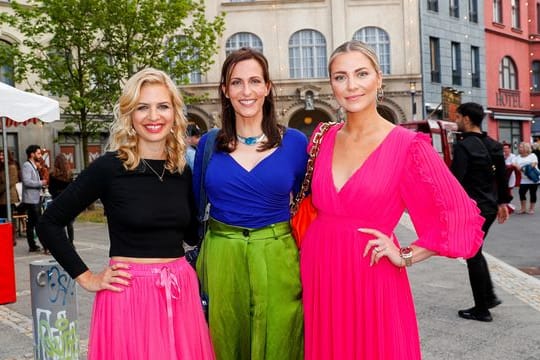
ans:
(83, 50)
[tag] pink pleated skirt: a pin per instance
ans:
(159, 316)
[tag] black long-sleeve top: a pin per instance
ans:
(56, 185)
(146, 218)
(472, 165)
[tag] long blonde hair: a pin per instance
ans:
(123, 137)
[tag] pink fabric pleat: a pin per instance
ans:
(159, 316)
(355, 311)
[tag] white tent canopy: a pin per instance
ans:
(20, 106)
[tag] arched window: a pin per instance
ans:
(507, 74)
(307, 55)
(6, 68)
(243, 39)
(379, 40)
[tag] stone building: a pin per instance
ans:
(297, 37)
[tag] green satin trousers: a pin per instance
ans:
(252, 279)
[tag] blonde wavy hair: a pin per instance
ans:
(123, 137)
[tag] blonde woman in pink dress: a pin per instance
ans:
(357, 299)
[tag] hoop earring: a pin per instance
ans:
(380, 94)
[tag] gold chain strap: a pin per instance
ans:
(314, 151)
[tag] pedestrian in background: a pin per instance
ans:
(357, 298)
(59, 180)
(31, 194)
(535, 147)
(43, 168)
(478, 164)
(526, 157)
(193, 136)
(513, 176)
(248, 263)
(4, 189)
(147, 304)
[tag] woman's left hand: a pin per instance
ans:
(380, 247)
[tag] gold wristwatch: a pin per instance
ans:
(406, 254)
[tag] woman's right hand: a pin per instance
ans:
(106, 279)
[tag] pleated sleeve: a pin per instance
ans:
(446, 219)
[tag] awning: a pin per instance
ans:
(13, 123)
(513, 117)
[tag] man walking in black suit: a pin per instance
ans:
(478, 164)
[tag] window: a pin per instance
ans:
(507, 74)
(435, 59)
(243, 39)
(538, 18)
(497, 11)
(516, 24)
(456, 63)
(473, 11)
(379, 40)
(433, 5)
(475, 66)
(307, 55)
(6, 68)
(510, 131)
(536, 76)
(187, 58)
(454, 8)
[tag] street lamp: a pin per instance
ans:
(412, 91)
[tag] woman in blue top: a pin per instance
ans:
(248, 264)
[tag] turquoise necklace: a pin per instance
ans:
(251, 140)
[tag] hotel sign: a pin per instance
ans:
(508, 98)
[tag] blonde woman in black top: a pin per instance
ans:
(147, 304)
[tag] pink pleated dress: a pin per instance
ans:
(352, 310)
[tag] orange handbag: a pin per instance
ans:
(300, 221)
(302, 211)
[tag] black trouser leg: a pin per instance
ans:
(481, 284)
(33, 211)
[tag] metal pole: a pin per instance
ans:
(6, 168)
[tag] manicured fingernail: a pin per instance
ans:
(361, 229)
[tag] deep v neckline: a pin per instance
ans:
(262, 160)
(360, 167)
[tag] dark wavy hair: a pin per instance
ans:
(226, 140)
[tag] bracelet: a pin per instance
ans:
(406, 255)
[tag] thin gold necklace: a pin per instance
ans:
(154, 171)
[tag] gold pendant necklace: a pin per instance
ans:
(154, 171)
